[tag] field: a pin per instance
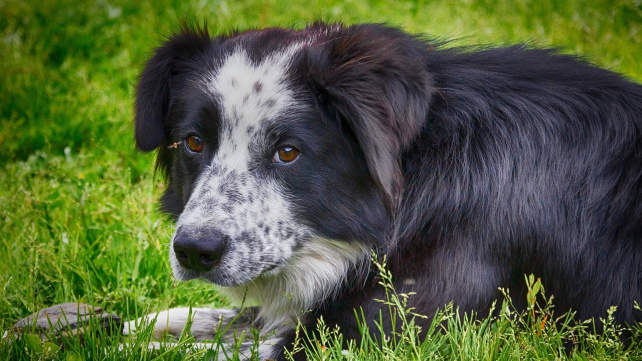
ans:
(78, 220)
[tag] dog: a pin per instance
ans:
(292, 155)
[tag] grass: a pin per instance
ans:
(533, 334)
(78, 220)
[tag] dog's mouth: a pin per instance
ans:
(226, 270)
(270, 268)
(229, 258)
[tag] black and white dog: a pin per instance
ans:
(292, 155)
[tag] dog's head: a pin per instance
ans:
(281, 147)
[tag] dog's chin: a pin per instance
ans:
(182, 274)
(221, 278)
(225, 281)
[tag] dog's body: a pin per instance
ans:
(291, 155)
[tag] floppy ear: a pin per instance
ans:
(152, 99)
(155, 85)
(375, 78)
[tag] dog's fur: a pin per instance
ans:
(467, 168)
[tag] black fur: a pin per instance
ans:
(468, 168)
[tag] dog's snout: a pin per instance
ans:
(199, 253)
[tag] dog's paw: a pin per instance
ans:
(204, 322)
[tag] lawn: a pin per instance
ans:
(78, 220)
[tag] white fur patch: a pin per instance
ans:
(250, 96)
(312, 274)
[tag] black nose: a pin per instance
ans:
(199, 253)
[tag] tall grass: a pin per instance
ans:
(505, 334)
(537, 333)
(78, 220)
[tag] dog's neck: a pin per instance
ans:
(309, 278)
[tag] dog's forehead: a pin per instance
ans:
(250, 92)
(251, 95)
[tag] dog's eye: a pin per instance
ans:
(285, 155)
(194, 143)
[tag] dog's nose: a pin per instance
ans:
(199, 254)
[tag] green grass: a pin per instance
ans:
(78, 219)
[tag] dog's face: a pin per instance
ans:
(269, 160)
(257, 167)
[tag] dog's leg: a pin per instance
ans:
(204, 322)
(265, 350)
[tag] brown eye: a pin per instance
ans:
(285, 155)
(194, 143)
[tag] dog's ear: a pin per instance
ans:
(155, 84)
(374, 77)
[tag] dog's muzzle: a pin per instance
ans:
(200, 254)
